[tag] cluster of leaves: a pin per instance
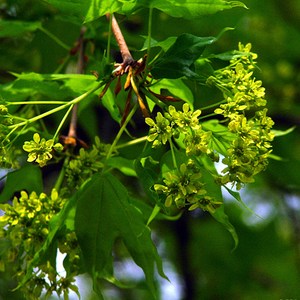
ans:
(91, 206)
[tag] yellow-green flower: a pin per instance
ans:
(40, 150)
(160, 131)
(183, 187)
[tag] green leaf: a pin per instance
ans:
(222, 218)
(80, 11)
(213, 189)
(27, 178)
(221, 137)
(55, 86)
(108, 101)
(17, 28)
(126, 166)
(105, 213)
(154, 213)
(229, 55)
(283, 132)
(237, 196)
(167, 162)
(178, 60)
(165, 44)
(147, 173)
(176, 87)
(190, 9)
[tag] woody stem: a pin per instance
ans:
(126, 55)
(80, 69)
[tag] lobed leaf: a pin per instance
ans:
(104, 213)
(55, 86)
(178, 60)
(80, 11)
(190, 9)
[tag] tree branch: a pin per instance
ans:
(126, 55)
(80, 69)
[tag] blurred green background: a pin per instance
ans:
(197, 250)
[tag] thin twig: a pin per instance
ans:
(80, 69)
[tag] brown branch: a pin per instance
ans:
(80, 68)
(126, 55)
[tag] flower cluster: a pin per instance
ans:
(40, 150)
(8, 156)
(183, 123)
(86, 164)
(8, 152)
(245, 110)
(183, 188)
(25, 226)
(27, 219)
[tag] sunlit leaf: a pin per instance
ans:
(165, 44)
(190, 9)
(176, 87)
(283, 132)
(221, 138)
(85, 11)
(80, 11)
(54, 86)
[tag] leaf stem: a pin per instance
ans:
(62, 64)
(55, 38)
(207, 116)
(61, 175)
(173, 153)
(56, 109)
(149, 35)
(133, 142)
(63, 121)
(123, 127)
(36, 102)
(212, 105)
(80, 70)
(153, 98)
